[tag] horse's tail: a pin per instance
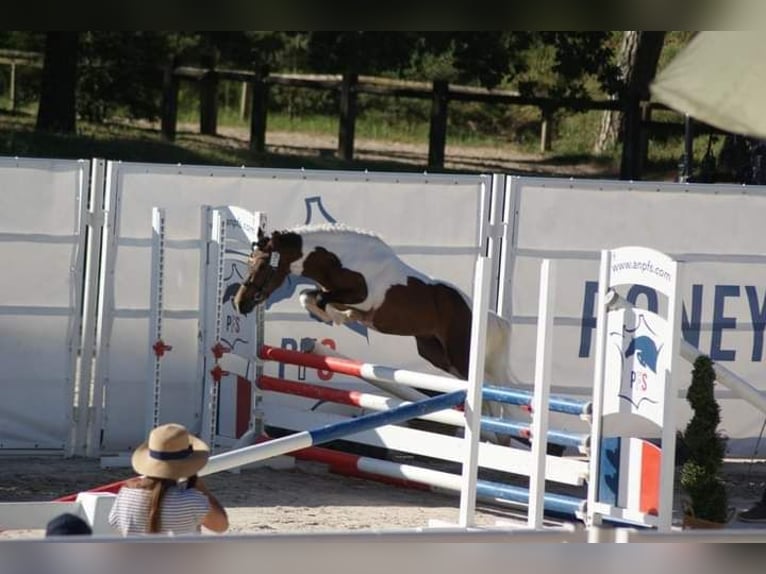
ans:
(498, 371)
(497, 361)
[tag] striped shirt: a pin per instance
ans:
(181, 511)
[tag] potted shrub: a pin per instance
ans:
(705, 447)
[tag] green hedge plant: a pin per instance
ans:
(701, 473)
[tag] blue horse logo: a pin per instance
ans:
(639, 341)
(646, 351)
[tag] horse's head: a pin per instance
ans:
(269, 266)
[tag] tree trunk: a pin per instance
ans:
(638, 58)
(56, 111)
(611, 120)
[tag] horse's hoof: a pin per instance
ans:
(307, 298)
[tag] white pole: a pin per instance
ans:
(397, 390)
(539, 427)
(104, 308)
(95, 219)
(592, 519)
(152, 405)
(12, 88)
(671, 376)
(216, 252)
(262, 451)
(472, 409)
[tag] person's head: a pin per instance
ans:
(67, 525)
(170, 452)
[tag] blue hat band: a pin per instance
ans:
(173, 455)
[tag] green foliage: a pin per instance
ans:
(250, 50)
(359, 52)
(701, 435)
(706, 447)
(707, 492)
(578, 57)
(24, 41)
(120, 75)
(120, 72)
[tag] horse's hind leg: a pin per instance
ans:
(458, 347)
(432, 350)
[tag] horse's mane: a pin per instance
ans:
(330, 228)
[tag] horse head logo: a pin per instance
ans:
(646, 351)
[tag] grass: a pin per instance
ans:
(572, 143)
(117, 141)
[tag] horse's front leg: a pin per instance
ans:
(328, 301)
(328, 313)
(308, 299)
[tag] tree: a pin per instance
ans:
(638, 57)
(121, 72)
(56, 111)
(575, 58)
(359, 52)
(700, 475)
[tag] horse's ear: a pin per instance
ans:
(261, 242)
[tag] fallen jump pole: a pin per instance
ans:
(287, 444)
(451, 417)
(424, 478)
(396, 473)
(371, 372)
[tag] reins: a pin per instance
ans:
(274, 257)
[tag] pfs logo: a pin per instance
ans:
(646, 352)
(235, 329)
(639, 376)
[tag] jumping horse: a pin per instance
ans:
(360, 278)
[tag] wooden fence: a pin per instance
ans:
(349, 86)
(13, 59)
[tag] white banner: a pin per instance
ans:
(715, 232)
(432, 221)
(42, 207)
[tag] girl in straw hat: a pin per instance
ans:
(169, 497)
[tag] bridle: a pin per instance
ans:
(272, 268)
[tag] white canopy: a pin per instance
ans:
(719, 78)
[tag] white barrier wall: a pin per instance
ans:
(42, 231)
(715, 231)
(432, 221)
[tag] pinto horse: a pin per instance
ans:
(360, 278)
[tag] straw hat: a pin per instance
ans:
(171, 452)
